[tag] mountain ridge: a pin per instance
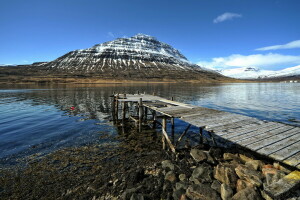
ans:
(137, 58)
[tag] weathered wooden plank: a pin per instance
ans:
(209, 117)
(264, 135)
(279, 145)
(261, 133)
(236, 125)
(246, 130)
(271, 140)
(230, 119)
(289, 155)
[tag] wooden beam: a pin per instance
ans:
(165, 135)
(183, 134)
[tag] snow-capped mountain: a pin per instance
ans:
(256, 73)
(135, 57)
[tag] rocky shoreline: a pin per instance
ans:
(135, 169)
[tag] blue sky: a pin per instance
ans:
(214, 33)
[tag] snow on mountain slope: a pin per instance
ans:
(254, 72)
(139, 51)
(138, 57)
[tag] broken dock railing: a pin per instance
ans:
(273, 139)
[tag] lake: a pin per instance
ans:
(38, 119)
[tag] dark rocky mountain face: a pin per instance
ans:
(140, 56)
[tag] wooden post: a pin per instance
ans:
(173, 125)
(146, 113)
(154, 118)
(201, 135)
(165, 135)
(117, 107)
(140, 114)
(113, 106)
(212, 137)
(124, 108)
(183, 134)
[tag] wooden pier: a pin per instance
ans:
(275, 140)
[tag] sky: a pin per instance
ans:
(218, 34)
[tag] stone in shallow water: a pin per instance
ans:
(137, 197)
(250, 175)
(248, 193)
(202, 192)
(284, 185)
(202, 174)
(167, 164)
(198, 155)
(182, 177)
(177, 194)
(170, 176)
(225, 174)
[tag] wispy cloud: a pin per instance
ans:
(110, 34)
(226, 16)
(264, 61)
(290, 45)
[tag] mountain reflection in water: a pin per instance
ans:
(36, 120)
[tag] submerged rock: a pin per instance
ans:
(167, 164)
(198, 155)
(202, 174)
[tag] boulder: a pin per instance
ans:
(242, 184)
(181, 185)
(168, 165)
(177, 194)
(202, 192)
(137, 197)
(273, 178)
(248, 193)
(170, 176)
(284, 186)
(225, 174)
(216, 185)
(182, 177)
(230, 156)
(215, 152)
(250, 175)
(245, 158)
(254, 164)
(226, 192)
(198, 155)
(202, 174)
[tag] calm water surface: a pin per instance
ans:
(35, 120)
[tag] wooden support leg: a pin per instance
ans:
(117, 107)
(165, 135)
(123, 111)
(154, 118)
(201, 135)
(140, 114)
(173, 128)
(146, 113)
(183, 134)
(212, 137)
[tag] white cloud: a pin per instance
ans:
(111, 34)
(264, 61)
(226, 16)
(290, 45)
